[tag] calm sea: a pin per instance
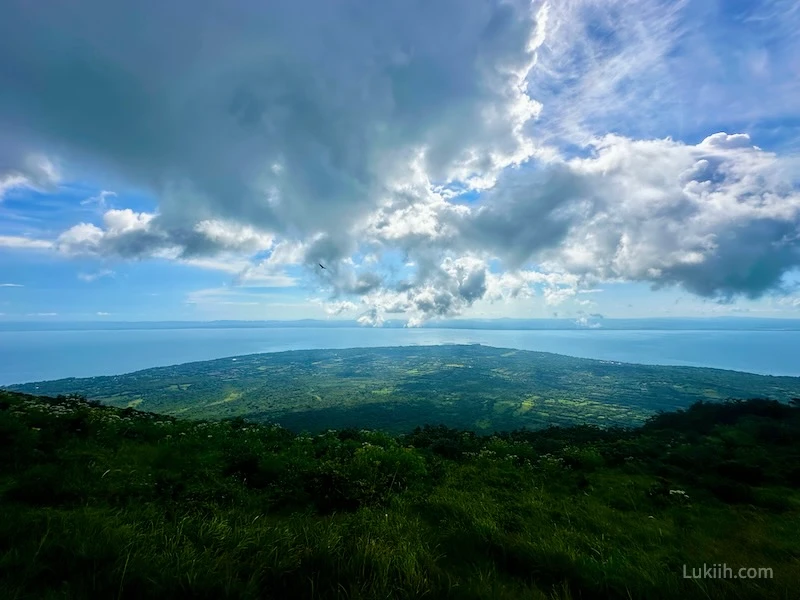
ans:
(40, 355)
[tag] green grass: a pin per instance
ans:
(100, 502)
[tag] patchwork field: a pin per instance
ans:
(471, 387)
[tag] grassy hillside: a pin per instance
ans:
(394, 389)
(100, 502)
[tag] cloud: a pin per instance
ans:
(43, 314)
(446, 290)
(593, 321)
(280, 116)
(103, 314)
(128, 234)
(90, 277)
(337, 308)
(100, 200)
(652, 68)
(26, 171)
(228, 296)
(599, 59)
(720, 218)
(429, 155)
(790, 301)
(15, 241)
(9, 285)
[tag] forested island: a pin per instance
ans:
(471, 387)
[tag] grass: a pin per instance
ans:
(100, 502)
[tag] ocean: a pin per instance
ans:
(27, 356)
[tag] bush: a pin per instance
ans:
(43, 485)
(732, 492)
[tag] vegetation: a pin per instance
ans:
(395, 389)
(102, 502)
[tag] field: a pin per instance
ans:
(470, 387)
(100, 502)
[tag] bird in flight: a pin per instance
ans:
(320, 266)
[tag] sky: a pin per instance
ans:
(474, 159)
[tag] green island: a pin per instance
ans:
(471, 387)
(518, 475)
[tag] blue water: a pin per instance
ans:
(40, 355)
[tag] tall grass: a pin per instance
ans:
(103, 503)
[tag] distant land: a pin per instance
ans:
(473, 387)
(589, 322)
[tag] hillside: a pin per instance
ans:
(471, 387)
(100, 502)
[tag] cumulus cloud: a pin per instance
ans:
(719, 218)
(448, 289)
(590, 321)
(128, 234)
(428, 155)
(279, 115)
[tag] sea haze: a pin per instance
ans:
(53, 354)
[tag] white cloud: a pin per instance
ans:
(790, 301)
(128, 234)
(599, 59)
(226, 235)
(719, 218)
(90, 277)
(286, 118)
(103, 314)
(245, 273)
(15, 241)
(337, 308)
(589, 321)
(43, 314)
(100, 200)
(9, 285)
(227, 264)
(429, 156)
(84, 238)
(26, 171)
(213, 298)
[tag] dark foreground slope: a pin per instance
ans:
(99, 502)
(395, 389)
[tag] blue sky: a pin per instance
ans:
(487, 159)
